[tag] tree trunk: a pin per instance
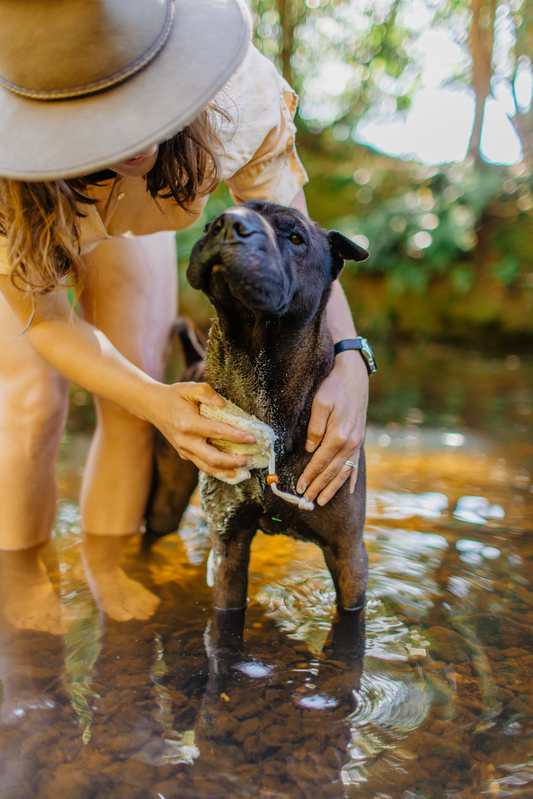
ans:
(290, 12)
(481, 42)
(522, 123)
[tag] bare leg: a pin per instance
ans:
(33, 408)
(132, 299)
(28, 598)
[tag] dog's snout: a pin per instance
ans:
(232, 227)
(240, 228)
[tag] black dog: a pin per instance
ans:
(268, 272)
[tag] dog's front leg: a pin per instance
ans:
(230, 559)
(348, 565)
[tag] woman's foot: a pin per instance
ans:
(117, 594)
(28, 598)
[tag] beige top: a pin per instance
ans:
(258, 159)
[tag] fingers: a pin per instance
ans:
(201, 392)
(335, 433)
(208, 458)
(328, 459)
(190, 431)
(320, 413)
(327, 470)
(213, 462)
(206, 428)
(334, 485)
(195, 393)
(328, 481)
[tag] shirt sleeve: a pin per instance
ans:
(259, 160)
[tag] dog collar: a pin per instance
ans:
(364, 348)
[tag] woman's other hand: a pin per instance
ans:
(337, 428)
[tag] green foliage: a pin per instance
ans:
(471, 271)
(365, 43)
(419, 222)
(507, 270)
(450, 245)
(475, 270)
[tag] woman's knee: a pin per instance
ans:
(34, 412)
(33, 396)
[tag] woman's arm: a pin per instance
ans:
(337, 426)
(83, 354)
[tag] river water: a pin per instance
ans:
(429, 695)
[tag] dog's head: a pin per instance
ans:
(270, 259)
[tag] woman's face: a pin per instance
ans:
(138, 166)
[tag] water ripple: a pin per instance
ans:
(398, 706)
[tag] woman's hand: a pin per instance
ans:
(336, 429)
(178, 417)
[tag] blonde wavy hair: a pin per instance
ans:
(40, 220)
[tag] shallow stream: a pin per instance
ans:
(431, 696)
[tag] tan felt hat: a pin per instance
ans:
(88, 83)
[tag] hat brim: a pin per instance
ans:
(50, 140)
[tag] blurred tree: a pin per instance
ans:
(521, 66)
(500, 44)
(481, 42)
(342, 57)
(352, 59)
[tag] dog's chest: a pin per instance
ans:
(221, 501)
(242, 376)
(249, 501)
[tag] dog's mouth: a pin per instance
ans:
(216, 285)
(231, 275)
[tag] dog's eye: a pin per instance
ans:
(294, 238)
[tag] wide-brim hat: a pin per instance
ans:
(85, 84)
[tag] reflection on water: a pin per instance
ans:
(184, 706)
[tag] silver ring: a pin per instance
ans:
(351, 463)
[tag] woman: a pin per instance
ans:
(86, 194)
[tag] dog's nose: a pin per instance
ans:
(230, 226)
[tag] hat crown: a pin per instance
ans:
(60, 45)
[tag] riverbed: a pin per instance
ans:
(429, 694)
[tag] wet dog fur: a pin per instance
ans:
(268, 272)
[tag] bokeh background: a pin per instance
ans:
(416, 128)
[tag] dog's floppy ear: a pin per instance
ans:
(344, 247)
